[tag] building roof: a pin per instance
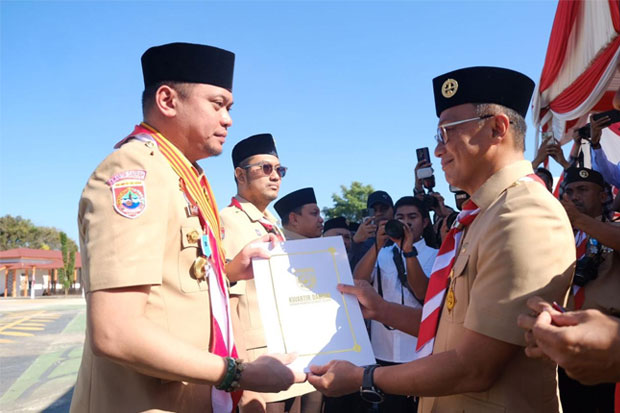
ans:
(28, 258)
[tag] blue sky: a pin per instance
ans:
(344, 87)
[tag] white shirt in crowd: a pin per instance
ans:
(394, 345)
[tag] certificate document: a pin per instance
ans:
(301, 309)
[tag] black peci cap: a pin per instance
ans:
(293, 200)
(262, 144)
(482, 84)
(338, 222)
(574, 174)
(188, 62)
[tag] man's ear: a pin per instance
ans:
(501, 122)
(292, 219)
(166, 101)
(241, 177)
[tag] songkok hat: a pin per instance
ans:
(338, 222)
(262, 144)
(294, 200)
(483, 84)
(188, 62)
(574, 174)
(379, 197)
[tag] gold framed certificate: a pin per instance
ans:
(302, 310)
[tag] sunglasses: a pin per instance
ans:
(268, 168)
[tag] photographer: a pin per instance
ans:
(592, 132)
(380, 208)
(399, 272)
(596, 284)
(433, 201)
(600, 163)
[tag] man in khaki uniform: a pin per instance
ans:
(157, 337)
(586, 343)
(258, 175)
(300, 215)
(518, 244)
(596, 284)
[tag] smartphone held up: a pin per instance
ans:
(424, 156)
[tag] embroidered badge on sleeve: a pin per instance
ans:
(129, 193)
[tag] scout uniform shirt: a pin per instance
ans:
(148, 237)
(290, 235)
(603, 293)
(242, 226)
(520, 245)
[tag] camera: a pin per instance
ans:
(429, 183)
(613, 115)
(586, 269)
(395, 229)
(368, 213)
(430, 202)
(584, 132)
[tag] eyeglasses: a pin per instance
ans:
(268, 168)
(442, 136)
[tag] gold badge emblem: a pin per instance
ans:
(584, 174)
(193, 237)
(450, 299)
(198, 268)
(306, 277)
(449, 88)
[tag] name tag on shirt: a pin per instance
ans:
(204, 246)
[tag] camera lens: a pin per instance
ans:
(430, 202)
(395, 229)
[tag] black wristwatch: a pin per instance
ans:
(412, 253)
(368, 391)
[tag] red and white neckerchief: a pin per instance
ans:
(440, 278)
(198, 193)
(440, 274)
(269, 227)
(581, 242)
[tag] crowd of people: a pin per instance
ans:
(465, 307)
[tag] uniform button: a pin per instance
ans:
(451, 273)
(193, 236)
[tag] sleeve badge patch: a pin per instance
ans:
(129, 193)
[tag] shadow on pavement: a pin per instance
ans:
(61, 405)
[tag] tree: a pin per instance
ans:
(65, 273)
(18, 232)
(351, 204)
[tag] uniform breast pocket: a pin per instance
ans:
(458, 291)
(191, 279)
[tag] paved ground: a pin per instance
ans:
(40, 351)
